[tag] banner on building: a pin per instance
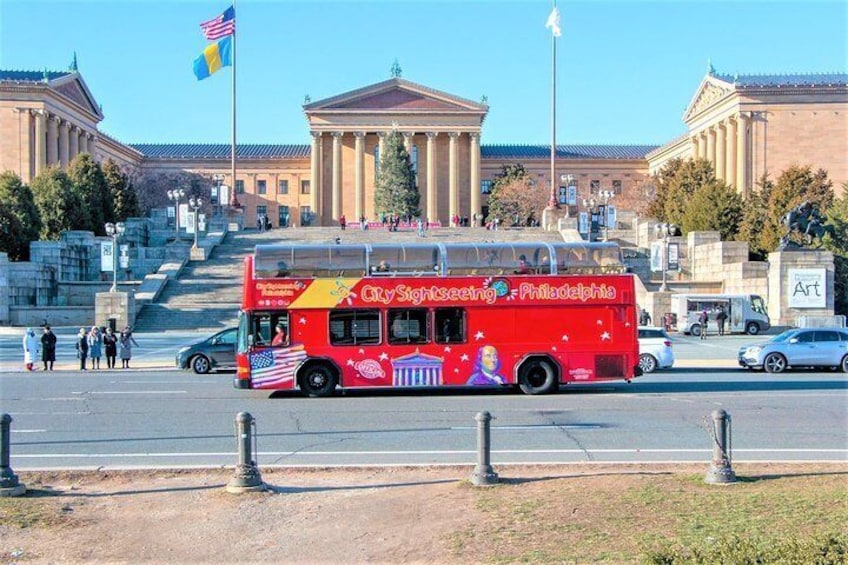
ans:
(657, 256)
(673, 256)
(583, 222)
(201, 222)
(172, 212)
(611, 216)
(807, 288)
(125, 256)
(562, 195)
(184, 214)
(107, 256)
(572, 195)
(189, 224)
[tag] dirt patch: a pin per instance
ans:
(391, 515)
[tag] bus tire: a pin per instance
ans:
(752, 328)
(317, 380)
(537, 376)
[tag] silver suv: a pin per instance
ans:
(813, 347)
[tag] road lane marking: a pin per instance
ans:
(131, 392)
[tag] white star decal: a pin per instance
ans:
(456, 370)
(383, 356)
(564, 337)
(479, 335)
(600, 323)
(627, 325)
(464, 357)
(447, 349)
(361, 351)
(302, 320)
(553, 348)
(605, 336)
(350, 362)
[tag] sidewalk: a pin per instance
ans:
(73, 366)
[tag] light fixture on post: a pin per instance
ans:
(665, 230)
(115, 231)
(606, 196)
(176, 195)
(196, 204)
(218, 178)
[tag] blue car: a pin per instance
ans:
(810, 347)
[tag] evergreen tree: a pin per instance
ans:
(692, 174)
(90, 185)
(662, 183)
(58, 204)
(837, 242)
(754, 218)
(19, 219)
(395, 192)
(121, 192)
(514, 197)
(714, 206)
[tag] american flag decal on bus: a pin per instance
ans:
(275, 366)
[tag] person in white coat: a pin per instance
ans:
(32, 348)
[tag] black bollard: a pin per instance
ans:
(9, 484)
(484, 474)
(247, 477)
(720, 472)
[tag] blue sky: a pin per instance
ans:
(626, 70)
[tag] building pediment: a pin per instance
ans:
(395, 94)
(73, 87)
(712, 90)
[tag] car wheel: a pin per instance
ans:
(317, 381)
(537, 377)
(753, 328)
(695, 330)
(845, 364)
(774, 363)
(647, 363)
(200, 365)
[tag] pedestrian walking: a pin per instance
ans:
(95, 346)
(126, 343)
(110, 347)
(48, 348)
(704, 320)
(720, 319)
(342, 222)
(32, 346)
(82, 348)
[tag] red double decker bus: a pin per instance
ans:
(317, 318)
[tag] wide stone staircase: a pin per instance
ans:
(207, 294)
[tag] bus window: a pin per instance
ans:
(261, 328)
(408, 326)
(355, 327)
(281, 331)
(450, 325)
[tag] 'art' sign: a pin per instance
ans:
(807, 288)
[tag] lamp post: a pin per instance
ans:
(218, 178)
(606, 196)
(115, 231)
(196, 204)
(176, 195)
(664, 231)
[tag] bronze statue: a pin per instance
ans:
(806, 223)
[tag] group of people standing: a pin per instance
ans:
(90, 344)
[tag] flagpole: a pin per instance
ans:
(553, 202)
(234, 203)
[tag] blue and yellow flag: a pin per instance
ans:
(215, 56)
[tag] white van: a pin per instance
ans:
(746, 313)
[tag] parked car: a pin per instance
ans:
(654, 349)
(215, 352)
(809, 347)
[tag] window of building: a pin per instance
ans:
(283, 216)
(616, 186)
(486, 187)
(594, 186)
(261, 187)
(355, 327)
(261, 210)
(408, 326)
(284, 187)
(304, 187)
(305, 216)
(449, 325)
(239, 187)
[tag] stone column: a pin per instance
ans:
(40, 140)
(315, 176)
(730, 167)
(382, 150)
(695, 148)
(453, 175)
(407, 142)
(73, 142)
(83, 142)
(359, 180)
(92, 148)
(64, 153)
(711, 146)
(337, 175)
(474, 139)
(702, 145)
(742, 155)
(432, 211)
(721, 151)
(52, 140)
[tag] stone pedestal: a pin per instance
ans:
(198, 254)
(783, 291)
(119, 306)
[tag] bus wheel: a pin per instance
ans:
(317, 380)
(537, 376)
(752, 328)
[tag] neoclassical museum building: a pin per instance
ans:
(746, 125)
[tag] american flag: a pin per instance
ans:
(272, 367)
(220, 26)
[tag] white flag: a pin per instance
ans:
(553, 22)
